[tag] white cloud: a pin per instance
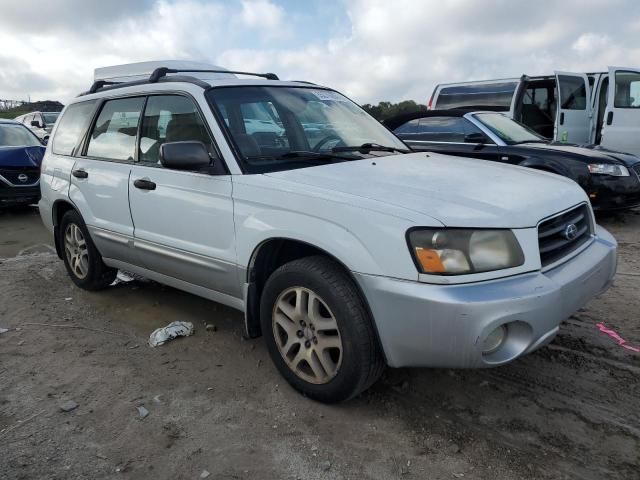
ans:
(392, 50)
(262, 14)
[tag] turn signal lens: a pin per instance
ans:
(430, 260)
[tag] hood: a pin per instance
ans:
(21, 156)
(594, 152)
(458, 192)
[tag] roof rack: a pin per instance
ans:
(161, 73)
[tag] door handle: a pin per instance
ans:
(609, 118)
(80, 173)
(562, 118)
(144, 184)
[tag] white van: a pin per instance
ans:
(566, 107)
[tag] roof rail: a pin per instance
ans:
(163, 71)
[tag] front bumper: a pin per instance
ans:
(615, 193)
(426, 325)
(13, 196)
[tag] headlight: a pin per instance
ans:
(460, 251)
(608, 169)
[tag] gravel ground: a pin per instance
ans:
(216, 403)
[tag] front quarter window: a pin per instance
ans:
(270, 124)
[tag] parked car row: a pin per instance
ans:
(343, 248)
(581, 108)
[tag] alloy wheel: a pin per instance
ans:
(75, 247)
(307, 335)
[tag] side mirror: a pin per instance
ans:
(184, 155)
(475, 138)
(36, 123)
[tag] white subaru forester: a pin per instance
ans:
(287, 201)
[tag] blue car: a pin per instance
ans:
(20, 157)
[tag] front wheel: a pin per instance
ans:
(81, 258)
(318, 331)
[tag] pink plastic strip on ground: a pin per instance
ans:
(613, 334)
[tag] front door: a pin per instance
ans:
(183, 219)
(621, 123)
(100, 178)
(573, 115)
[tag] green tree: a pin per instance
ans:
(385, 110)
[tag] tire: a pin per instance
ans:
(81, 258)
(346, 359)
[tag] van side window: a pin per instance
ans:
(497, 95)
(573, 94)
(114, 134)
(72, 126)
(170, 118)
(627, 94)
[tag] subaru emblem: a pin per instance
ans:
(570, 231)
(23, 178)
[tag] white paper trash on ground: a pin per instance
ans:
(171, 331)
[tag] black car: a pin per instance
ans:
(21, 154)
(611, 179)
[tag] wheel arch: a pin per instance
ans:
(269, 255)
(59, 208)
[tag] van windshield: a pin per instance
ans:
(509, 131)
(277, 128)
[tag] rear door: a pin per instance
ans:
(100, 178)
(183, 219)
(621, 125)
(573, 115)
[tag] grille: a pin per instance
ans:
(636, 168)
(12, 175)
(557, 239)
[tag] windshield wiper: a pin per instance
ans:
(309, 155)
(370, 147)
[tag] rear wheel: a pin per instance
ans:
(81, 258)
(318, 331)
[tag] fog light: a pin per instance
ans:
(494, 340)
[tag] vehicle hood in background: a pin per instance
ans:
(21, 156)
(459, 192)
(586, 152)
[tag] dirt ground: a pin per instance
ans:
(216, 403)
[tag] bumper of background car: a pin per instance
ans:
(446, 325)
(615, 193)
(14, 196)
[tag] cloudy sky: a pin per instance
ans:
(370, 49)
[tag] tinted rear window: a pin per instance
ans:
(72, 126)
(478, 95)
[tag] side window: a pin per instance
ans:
(573, 93)
(170, 118)
(408, 128)
(114, 134)
(627, 94)
(441, 129)
(72, 126)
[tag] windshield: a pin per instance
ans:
(50, 118)
(278, 128)
(510, 131)
(17, 136)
